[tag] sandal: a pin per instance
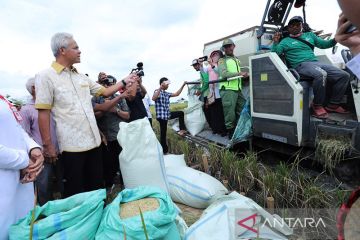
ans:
(319, 112)
(181, 133)
(336, 109)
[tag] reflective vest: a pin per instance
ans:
(232, 66)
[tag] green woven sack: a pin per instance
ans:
(76, 217)
(160, 223)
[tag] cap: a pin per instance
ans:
(227, 41)
(214, 52)
(296, 19)
(195, 61)
(29, 84)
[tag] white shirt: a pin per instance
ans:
(354, 65)
(16, 199)
(147, 103)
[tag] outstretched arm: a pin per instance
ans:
(119, 85)
(177, 93)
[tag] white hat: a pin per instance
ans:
(29, 84)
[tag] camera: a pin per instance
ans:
(109, 80)
(203, 59)
(139, 70)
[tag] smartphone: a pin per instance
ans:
(350, 29)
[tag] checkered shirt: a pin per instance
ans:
(162, 105)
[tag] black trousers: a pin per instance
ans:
(216, 117)
(207, 114)
(82, 171)
(163, 128)
(44, 183)
(111, 162)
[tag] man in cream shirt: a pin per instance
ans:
(67, 93)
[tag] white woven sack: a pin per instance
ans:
(141, 159)
(236, 217)
(172, 160)
(192, 187)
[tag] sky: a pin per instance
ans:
(114, 35)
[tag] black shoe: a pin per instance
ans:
(223, 134)
(230, 132)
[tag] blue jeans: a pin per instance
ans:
(324, 74)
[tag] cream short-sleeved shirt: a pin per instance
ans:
(68, 94)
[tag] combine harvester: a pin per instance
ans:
(280, 99)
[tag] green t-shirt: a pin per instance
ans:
(297, 52)
(204, 82)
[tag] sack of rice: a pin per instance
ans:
(131, 209)
(122, 220)
(192, 187)
(141, 159)
(194, 116)
(76, 217)
(172, 160)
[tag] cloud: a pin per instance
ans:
(115, 35)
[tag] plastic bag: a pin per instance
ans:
(243, 130)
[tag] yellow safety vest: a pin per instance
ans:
(233, 66)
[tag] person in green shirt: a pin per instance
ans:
(298, 49)
(203, 92)
(230, 91)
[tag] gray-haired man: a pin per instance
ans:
(65, 92)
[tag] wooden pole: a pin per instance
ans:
(270, 203)
(225, 183)
(205, 163)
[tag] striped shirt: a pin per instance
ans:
(30, 124)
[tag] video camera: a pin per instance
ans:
(203, 59)
(109, 80)
(139, 70)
